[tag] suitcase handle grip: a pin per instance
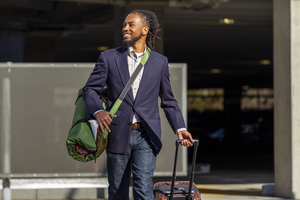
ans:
(196, 142)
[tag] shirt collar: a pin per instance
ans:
(131, 51)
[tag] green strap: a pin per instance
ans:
(115, 107)
(146, 56)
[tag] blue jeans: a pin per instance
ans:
(141, 158)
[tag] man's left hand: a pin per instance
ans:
(183, 135)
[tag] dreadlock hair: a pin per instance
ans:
(150, 20)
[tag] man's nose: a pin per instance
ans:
(125, 28)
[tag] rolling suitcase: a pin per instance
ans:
(179, 190)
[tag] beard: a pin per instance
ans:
(129, 43)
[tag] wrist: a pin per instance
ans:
(97, 112)
(180, 129)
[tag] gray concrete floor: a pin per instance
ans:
(216, 185)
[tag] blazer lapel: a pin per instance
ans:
(122, 65)
(147, 74)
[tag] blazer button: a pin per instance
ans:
(130, 123)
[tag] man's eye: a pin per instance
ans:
(131, 25)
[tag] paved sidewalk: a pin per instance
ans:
(234, 191)
(217, 185)
(237, 197)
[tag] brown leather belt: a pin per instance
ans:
(137, 125)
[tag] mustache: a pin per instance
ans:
(127, 33)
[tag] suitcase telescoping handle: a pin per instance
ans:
(195, 144)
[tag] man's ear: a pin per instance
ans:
(145, 30)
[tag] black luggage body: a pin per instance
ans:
(179, 190)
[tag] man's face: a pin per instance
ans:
(132, 30)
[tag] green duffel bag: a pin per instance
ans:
(82, 144)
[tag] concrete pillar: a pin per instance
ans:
(6, 191)
(287, 97)
(159, 11)
(6, 139)
(6, 126)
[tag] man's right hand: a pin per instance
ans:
(104, 119)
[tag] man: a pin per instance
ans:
(135, 131)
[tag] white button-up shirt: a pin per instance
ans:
(134, 60)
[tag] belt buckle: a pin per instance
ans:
(137, 126)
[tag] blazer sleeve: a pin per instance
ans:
(168, 102)
(94, 86)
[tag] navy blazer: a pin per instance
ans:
(111, 69)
